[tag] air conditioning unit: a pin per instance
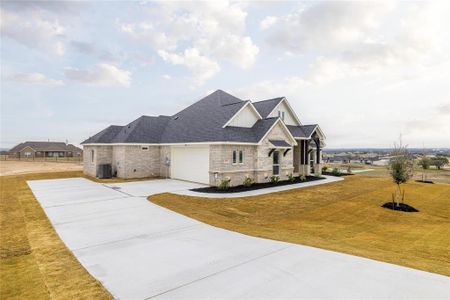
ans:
(104, 171)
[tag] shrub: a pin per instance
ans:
(302, 178)
(224, 184)
(274, 179)
(336, 172)
(291, 177)
(439, 161)
(324, 169)
(248, 181)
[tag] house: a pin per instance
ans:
(217, 138)
(45, 149)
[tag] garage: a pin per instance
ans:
(190, 163)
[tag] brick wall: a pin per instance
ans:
(102, 155)
(221, 163)
(138, 163)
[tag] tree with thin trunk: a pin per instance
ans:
(439, 161)
(425, 163)
(401, 167)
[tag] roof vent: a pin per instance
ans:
(176, 118)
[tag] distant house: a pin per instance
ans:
(45, 149)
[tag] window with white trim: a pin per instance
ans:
(234, 156)
(276, 163)
(241, 156)
(92, 155)
(281, 115)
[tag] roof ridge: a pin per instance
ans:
(272, 99)
(240, 102)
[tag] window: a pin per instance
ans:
(234, 156)
(27, 154)
(92, 155)
(281, 115)
(276, 163)
(144, 148)
(241, 156)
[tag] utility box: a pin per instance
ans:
(104, 171)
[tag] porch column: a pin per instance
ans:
(318, 164)
(304, 161)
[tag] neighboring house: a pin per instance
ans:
(45, 149)
(219, 137)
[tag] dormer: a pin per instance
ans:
(245, 117)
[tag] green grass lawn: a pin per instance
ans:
(344, 216)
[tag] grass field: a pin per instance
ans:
(344, 216)
(27, 167)
(433, 174)
(34, 262)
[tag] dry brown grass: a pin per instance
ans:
(15, 167)
(34, 262)
(344, 216)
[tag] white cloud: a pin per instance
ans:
(202, 67)
(34, 30)
(33, 78)
(214, 29)
(268, 22)
(352, 38)
(328, 25)
(102, 74)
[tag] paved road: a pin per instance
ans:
(139, 250)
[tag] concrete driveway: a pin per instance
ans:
(139, 250)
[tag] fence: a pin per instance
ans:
(5, 157)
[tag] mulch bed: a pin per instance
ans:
(401, 207)
(425, 181)
(337, 175)
(255, 186)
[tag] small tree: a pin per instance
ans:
(425, 163)
(439, 161)
(401, 167)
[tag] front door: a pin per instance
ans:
(276, 163)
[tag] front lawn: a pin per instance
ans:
(34, 262)
(344, 216)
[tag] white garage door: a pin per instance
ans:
(190, 163)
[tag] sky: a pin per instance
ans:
(366, 72)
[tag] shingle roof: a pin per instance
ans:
(142, 130)
(104, 136)
(265, 107)
(279, 143)
(45, 146)
(203, 121)
(303, 131)
(308, 129)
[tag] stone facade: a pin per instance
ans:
(265, 162)
(222, 167)
(257, 163)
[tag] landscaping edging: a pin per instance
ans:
(253, 187)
